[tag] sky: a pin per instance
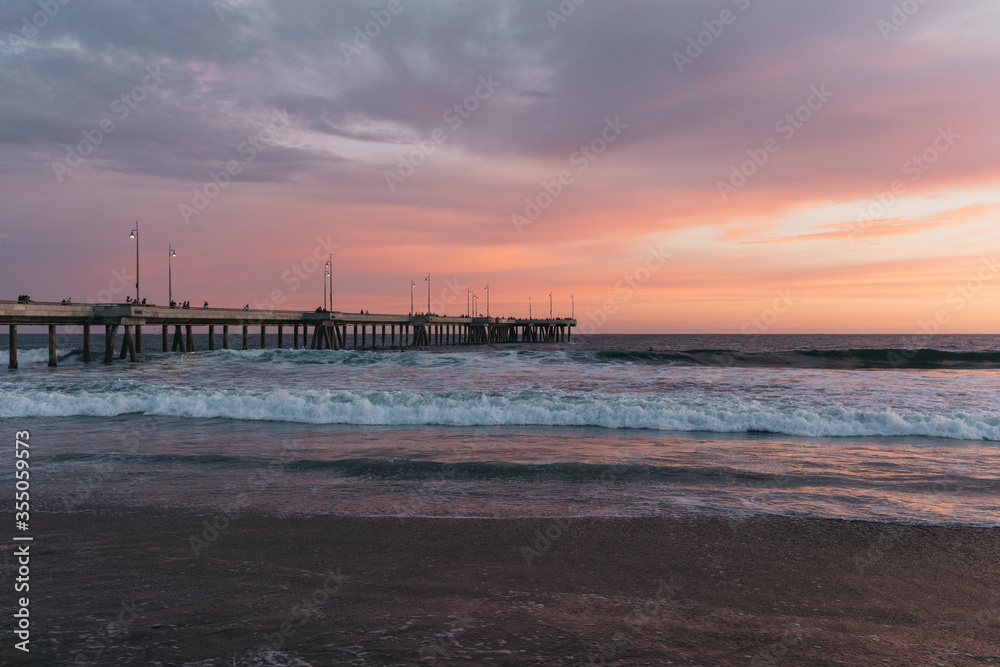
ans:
(677, 167)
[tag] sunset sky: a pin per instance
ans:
(696, 166)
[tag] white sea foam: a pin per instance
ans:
(663, 412)
(40, 356)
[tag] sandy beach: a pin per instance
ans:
(124, 586)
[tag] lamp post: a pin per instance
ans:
(572, 307)
(170, 275)
(487, 288)
(529, 307)
(326, 279)
(135, 235)
(475, 311)
(428, 279)
(550, 305)
(412, 285)
(468, 304)
(330, 274)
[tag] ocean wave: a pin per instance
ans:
(849, 358)
(663, 412)
(421, 469)
(40, 356)
(881, 358)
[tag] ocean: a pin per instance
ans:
(895, 429)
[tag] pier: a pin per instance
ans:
(313, 330)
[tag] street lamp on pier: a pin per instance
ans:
(170, 275)
(326, 279)
(135, 235)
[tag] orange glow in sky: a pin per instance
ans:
(816, 168)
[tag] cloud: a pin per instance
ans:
(359, 88)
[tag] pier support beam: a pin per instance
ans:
(110, 334)
(190, 338)
(295, 336)
(128, 344)
(280, 337)
(52, 345)
(166, 337)
(211, 336)
(244, 337)
(263, 336)
(86, 343)
(13, 346)
(138, 339)
(225, 336)
(178, 345)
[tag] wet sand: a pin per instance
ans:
(123, 587)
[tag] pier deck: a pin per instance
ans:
(329, 330)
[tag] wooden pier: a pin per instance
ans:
(313, 330)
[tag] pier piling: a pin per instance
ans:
(52, 345)
(13, 346)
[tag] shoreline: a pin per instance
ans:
(125, 585)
